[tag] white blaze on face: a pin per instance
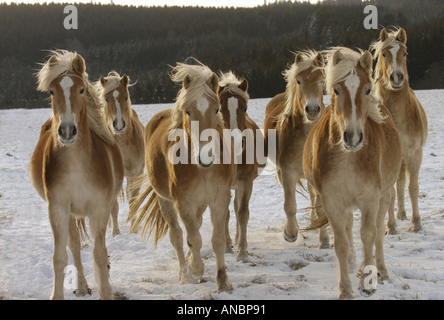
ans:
(352, 85)
(394, 52)
(66, 84)
(119, 124)
(233, 104)
(203, 105)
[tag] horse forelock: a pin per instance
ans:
(198, 88)
(230, 84)
(62, 66)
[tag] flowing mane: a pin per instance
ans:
(344, 69)
(198, 87)
(60, 64)
(290, 74)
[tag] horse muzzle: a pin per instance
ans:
(67, 133)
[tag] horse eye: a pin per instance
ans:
(106, 99)
(336, 91)
(217, 110)
(405, 54)
(51, 92)
(82, 90)
(383, 55)
(188, 113)
(245, 110)
(126, 98)
(298, 82)
(367, 92)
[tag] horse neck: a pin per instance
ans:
(393, 99)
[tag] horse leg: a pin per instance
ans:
(400, 186)
(59, 220)
(190, 218)
(218, 212)
(318, 212)
(98, 222)
(384, 204)
(74, 246)
(114, 214)
(341, 245)
(413, 167)
(348, 216)
(368, 238)
(289, 180)
(229, 242)
(243, 194)
(391, 222)
(176, 235)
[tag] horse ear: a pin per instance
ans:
(401, 36)
(186, 82)
(319, 60)
(213, 82)
(124, 81)
(383, 35)
(366, 61)
(78, 64)
(52, 60)
(337, 57)
(244, 85)
(298, 58)
(102, 81)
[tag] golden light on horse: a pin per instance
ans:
(186, 188)
(292, 114)
(128, 131)
(392, 85)
(76, 167)
(352, 158)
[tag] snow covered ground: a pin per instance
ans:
(277, 269)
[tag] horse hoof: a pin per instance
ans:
(415, 228)
(225, 287)
(367, 292)
(324, 245)
(82, 292)
(194, 277)
(229, 250)
(290, 238)
(401, 215)
(243, 258)
(345, 295)
(392, 231)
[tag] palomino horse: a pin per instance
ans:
(128, 131)
(76, 167)
(233, 97)
(293, 113)
(392, 85)
(185, 187)
(352, 158)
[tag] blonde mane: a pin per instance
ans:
(62, 65)
(343, 70)
(198, 88)
(290, 75)
(230, 83)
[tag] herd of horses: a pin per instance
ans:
(352, 154)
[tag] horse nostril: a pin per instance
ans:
(392, 78)
(60, 131)
(400, 76)
(307, 110)
(346, 139)
(318, 109)
(73, 131)
(361, 137)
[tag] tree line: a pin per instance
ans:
(256, 43)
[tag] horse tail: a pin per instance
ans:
(81, 229)
(318, 223)
(147, 216)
